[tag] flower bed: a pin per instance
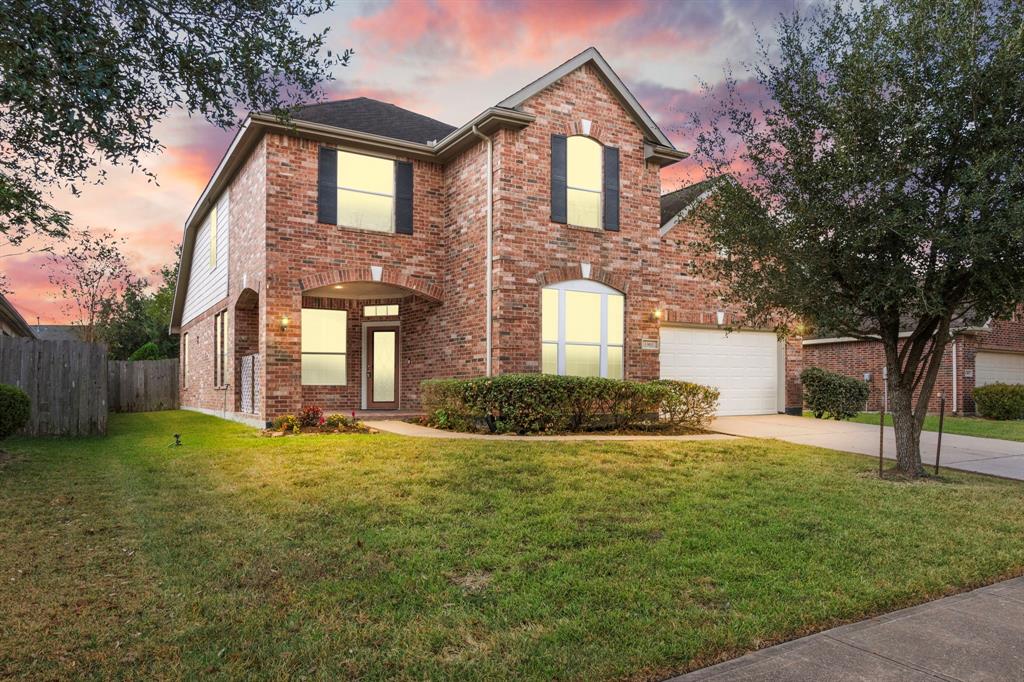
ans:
(312, 420)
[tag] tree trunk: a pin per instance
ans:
(907, 429)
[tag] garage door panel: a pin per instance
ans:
(742, 365)
(991, 368)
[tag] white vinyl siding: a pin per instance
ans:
(208, 278)
(992, 368)
(742, 365)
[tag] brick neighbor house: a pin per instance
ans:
(976, 355)
(343, 258)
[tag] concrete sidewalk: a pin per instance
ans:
(983, 455)
(977, 635)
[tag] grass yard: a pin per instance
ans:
(964, 426)
(375, 556)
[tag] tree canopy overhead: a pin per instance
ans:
(83, 82)
(881, 183)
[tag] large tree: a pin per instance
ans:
(880, 189)
(83, 82)
(137, 317)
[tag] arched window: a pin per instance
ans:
(582, 329)
(583, 173)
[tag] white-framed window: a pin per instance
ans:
(583, 171)
(184, 360)
(582, 329)
(324, 337)
(213, 237)
(389, 310)
(220, 346)
(366, 192)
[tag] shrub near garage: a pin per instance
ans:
(533, 403)
(1000, 401)
(15, 409)
(832, 395)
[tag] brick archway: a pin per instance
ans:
(381, 274)
(596, 274)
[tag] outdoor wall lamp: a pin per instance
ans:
(720, 316)
(656, 315)
(284, 322)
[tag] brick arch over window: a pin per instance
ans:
(578, 127)
(388, 275)
(570, 272)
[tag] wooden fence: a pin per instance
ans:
(143, 385)
(66, 380)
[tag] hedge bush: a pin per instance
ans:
(532, 403)
(833, 395)
(15, 409)
(1000, 401)
(147, 351)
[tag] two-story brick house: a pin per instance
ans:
(343, 258)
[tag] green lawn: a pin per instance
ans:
(380, 557)
(965, 426)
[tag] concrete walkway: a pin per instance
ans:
(402, 428)
(977, 635)
(984, 455)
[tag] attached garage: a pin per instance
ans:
(991, 368)
(743, 365)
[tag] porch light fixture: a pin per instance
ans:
(720, 317)
(656, 315)
(284, 322)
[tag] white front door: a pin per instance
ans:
(742, 365)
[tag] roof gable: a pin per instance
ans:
(592, 56)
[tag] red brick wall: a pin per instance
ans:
(854, 358)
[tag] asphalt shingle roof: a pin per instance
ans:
(375, 117)
(674, 202)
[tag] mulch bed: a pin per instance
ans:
(307, 430)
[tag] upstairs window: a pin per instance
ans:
(582, 329)
(583, 181)
(366, 192)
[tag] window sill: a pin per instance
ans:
(365, 230)
(584, 228)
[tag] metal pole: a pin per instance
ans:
(881, 438)
(938, 446)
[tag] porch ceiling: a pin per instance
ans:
(359, 291)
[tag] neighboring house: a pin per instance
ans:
(343, 258)
(60, 332)
(975, 356)
(11, 321)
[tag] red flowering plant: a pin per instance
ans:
(311, 415)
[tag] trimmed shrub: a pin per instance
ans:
(1000, 401)
(688, 404)
(147, 351)
(533, 403)
(15, 409)
(832, 395)
(311, 415)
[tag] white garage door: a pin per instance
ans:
(991, 368)
(743, 366)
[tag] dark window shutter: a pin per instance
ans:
(611, 189)
(558, 193)
(327, 187)
(403, 197)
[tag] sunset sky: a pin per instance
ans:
(448, 60)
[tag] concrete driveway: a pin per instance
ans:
(984, 455)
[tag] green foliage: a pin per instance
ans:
(340, 421)
(1000, 401)
(82, 85)
(832, 395)
(879, 179)
(532, 403)
(689, 404)
(136, 317)
(15, 409)
(147, 351)
(287, 422)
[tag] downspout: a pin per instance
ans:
(488, 277)
(954, 375)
